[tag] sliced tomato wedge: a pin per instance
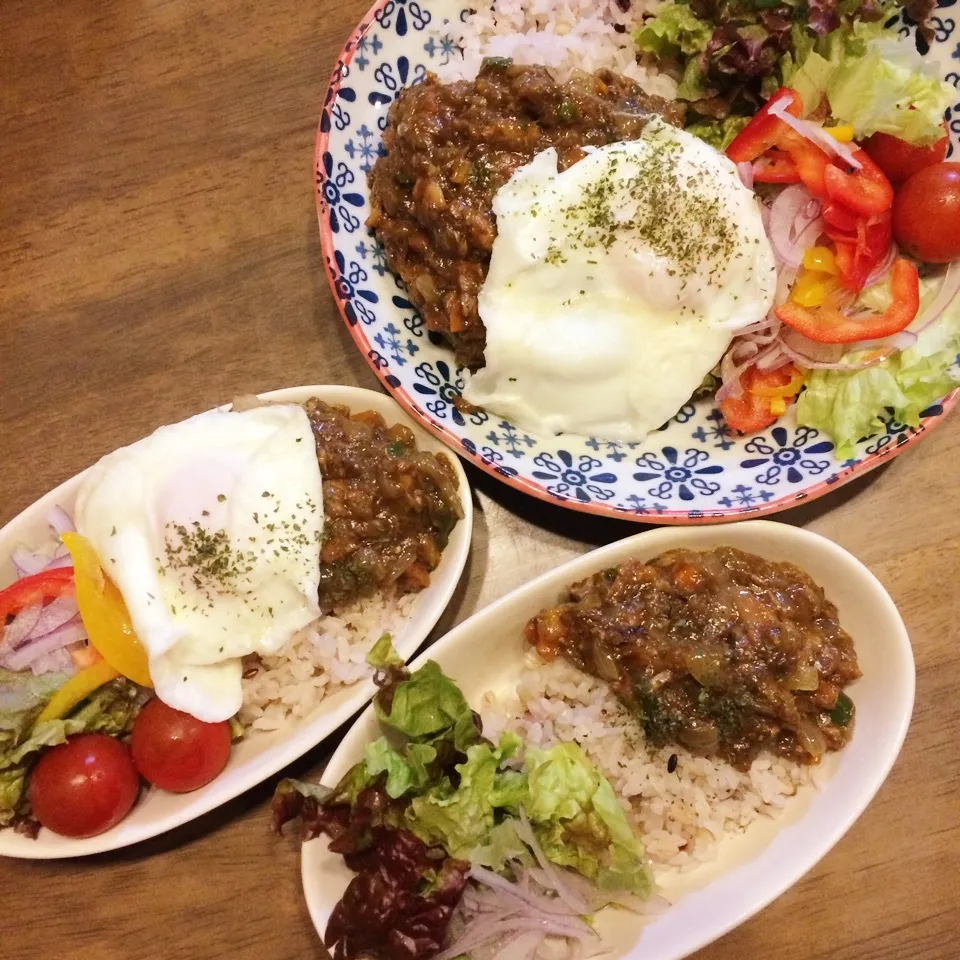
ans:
(764, 131)
(35, 590)
(866, 191)
(828, 323)
(753, 410)
(775, 166)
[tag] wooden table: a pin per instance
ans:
(159, 254)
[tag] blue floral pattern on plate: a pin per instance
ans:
(692, 469)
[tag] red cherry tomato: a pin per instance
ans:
(84, 786)
(178, 752)
(926, 214)
(900, 160)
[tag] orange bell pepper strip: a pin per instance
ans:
(828, 324)
(104, 614)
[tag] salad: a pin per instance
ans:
(79, 724)
(847, 156)
(458, 843)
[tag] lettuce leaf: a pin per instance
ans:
(851, 405)
(718, 133)
(22, 697)
(674, 30)
(874, 80)
(461, 819)
(111, 710)
(579, 822)
(383, 654)
(406, 769)
(428, 705)
(890, 89)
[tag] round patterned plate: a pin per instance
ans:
(693, 469)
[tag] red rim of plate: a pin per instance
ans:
(679, 517)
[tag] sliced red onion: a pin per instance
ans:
(17, 631)
(482, 930)
(540, 903)
(795, 224)
(732, 369)
(881, 270)
(745, 170)
(21, 658)
(59, 661)
(27, 563)
(526, 834)
(823, 356)
(53, 615)
(816, 134)
(773, 359)
(948, 290)
(60, 520)
(763, 331)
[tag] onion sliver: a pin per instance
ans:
(816, 134)
(60, 520)
(795, 224)
(68, 633)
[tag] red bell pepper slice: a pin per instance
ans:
(751, 412)
(828, 324)
(34, 590)
(838, 217)
(859, 254)
(763, 131)
(775, 166)
(865, 192)
(811, 162)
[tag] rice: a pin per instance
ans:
(566, 35)
(322, 658)
(682, 816)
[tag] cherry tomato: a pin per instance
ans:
(84, 786)
(178, 752)
(926, 214)
(900, 160)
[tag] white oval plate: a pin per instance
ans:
(260, 755)
(751, 869)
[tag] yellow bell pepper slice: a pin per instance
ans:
(104, 614)
(842, 132)
(77, 688)
(778, 406)
(812, 288)
(781, 393)
(821, 260)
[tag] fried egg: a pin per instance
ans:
(616, 285)
(211, 530)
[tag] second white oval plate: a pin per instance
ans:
(751, 869)
(262, 754)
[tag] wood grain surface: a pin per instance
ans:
(159, 254)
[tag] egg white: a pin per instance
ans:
(241, 486)
(604, 308)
